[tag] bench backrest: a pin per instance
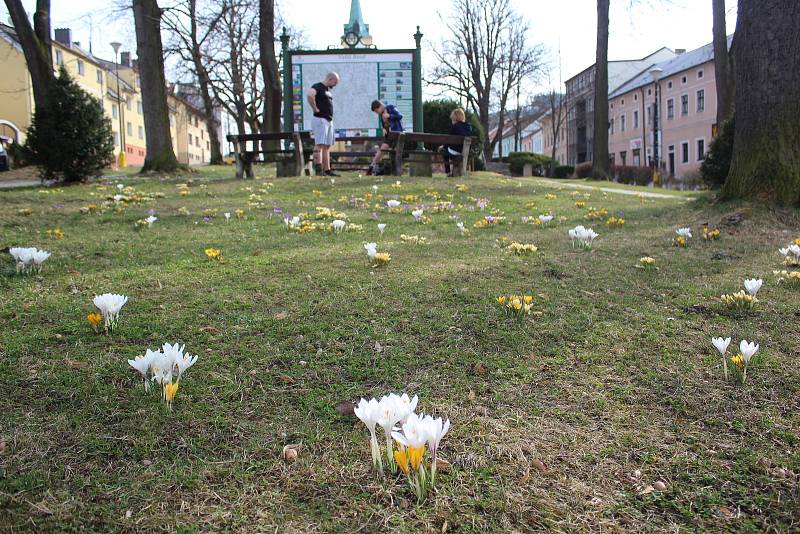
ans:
(442, 139)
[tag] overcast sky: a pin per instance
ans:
(565, 25)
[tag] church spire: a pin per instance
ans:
(356, 25)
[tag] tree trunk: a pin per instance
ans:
(160, 155)
(600, 137)
(269, 66)
(766, 149)
(723, 68)
(36, 44)
(203, 81)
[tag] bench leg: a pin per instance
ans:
(239, 166)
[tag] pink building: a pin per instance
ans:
(687, 114)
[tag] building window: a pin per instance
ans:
(99, 76)
(685, 152)
(139, 106)
(635, 120)
(700, 74)
(684, 80)
(649, 115)
(612, 127)
(130, 130)
(622, 103)
(190, 139)
(701, 149)
(128, 103)
(59, 57)
(141, 132)
(635, 98)
(622, 123)
(114, 111)
(684, 105)
(649, 92)
(671, 108)
(701, 100)
(669, 85)
(116, 138)
(81, 68)
(196, 141)
(637, 157)
(622, 156)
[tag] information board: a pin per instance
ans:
(364, 76)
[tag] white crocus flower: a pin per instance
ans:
(150, 220)
(39, 257)
(686, 233)
(368, 411)
(393, 409)
(417, 214)
(435, 430)
(584, 237)
(747, 350)
(181, 361)
(393, 203)
(372, 249)
(338, 225)
(752, 286)
(23, 257)
(722, 347)
(460, 226)
(117, 198)
(227, 216)
(142, 365)
(374, 188)
(381, 228)
(109, 305)
(545, 218)
(120, 187)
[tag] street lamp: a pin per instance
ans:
(656, 73)
(121, 161)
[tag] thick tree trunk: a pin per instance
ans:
(723, 68)
(203, 81)
(600, 137)
(483, 117)
(766, 150)
(160, 155)
(35, 43)
(269, 66)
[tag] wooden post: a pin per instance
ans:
(299, 163)
(463, 167)
(397, 167)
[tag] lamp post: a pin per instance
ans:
(121, 160)
(656, 75)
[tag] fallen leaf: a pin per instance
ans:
(76, 273)
(471, 395)
(660, 486)
(538, 464)
(280, 316)
(345, 407)
(479, 368)
(288, 379)
(378, 347)
(209, 329)
(291, 452)
(2, 447)
(442, 464)
(75, 364)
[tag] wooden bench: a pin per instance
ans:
(361, 147)
(293, 146)
(407, 147)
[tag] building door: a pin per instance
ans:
(672, 161)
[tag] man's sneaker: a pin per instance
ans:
(331, 173)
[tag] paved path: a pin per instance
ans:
(631, 192)
(10, 184)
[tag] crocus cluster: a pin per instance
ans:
(788, 277)
(545, 219)
(165, 367)
(338, 225)
(414, 239)
(582, 237)
(214, 254)
(744, 299)
(488, 220)
(28, 259)
(413, 433)
(521, 249)
(109, 305)
(791, 255)
(741, 361)
(376, 258)
(615, 221)
(519, 305)
(682, 237)
(647, 263)
(710, 235)
(460, 226)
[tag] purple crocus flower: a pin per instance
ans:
(206, 218)
(151, 211)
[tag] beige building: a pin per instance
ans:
(687, 106)
(121, 98)
(560, 141)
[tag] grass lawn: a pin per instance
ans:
(568, 421)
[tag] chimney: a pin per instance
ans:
(64, 36)
(125, 59)
(680, 51)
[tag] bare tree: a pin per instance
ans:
(147, 18)
(191, 32)
(723, 65)
(766, 146)
(600, 164)
(35, 43)
(558, 115)
(485, 57)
